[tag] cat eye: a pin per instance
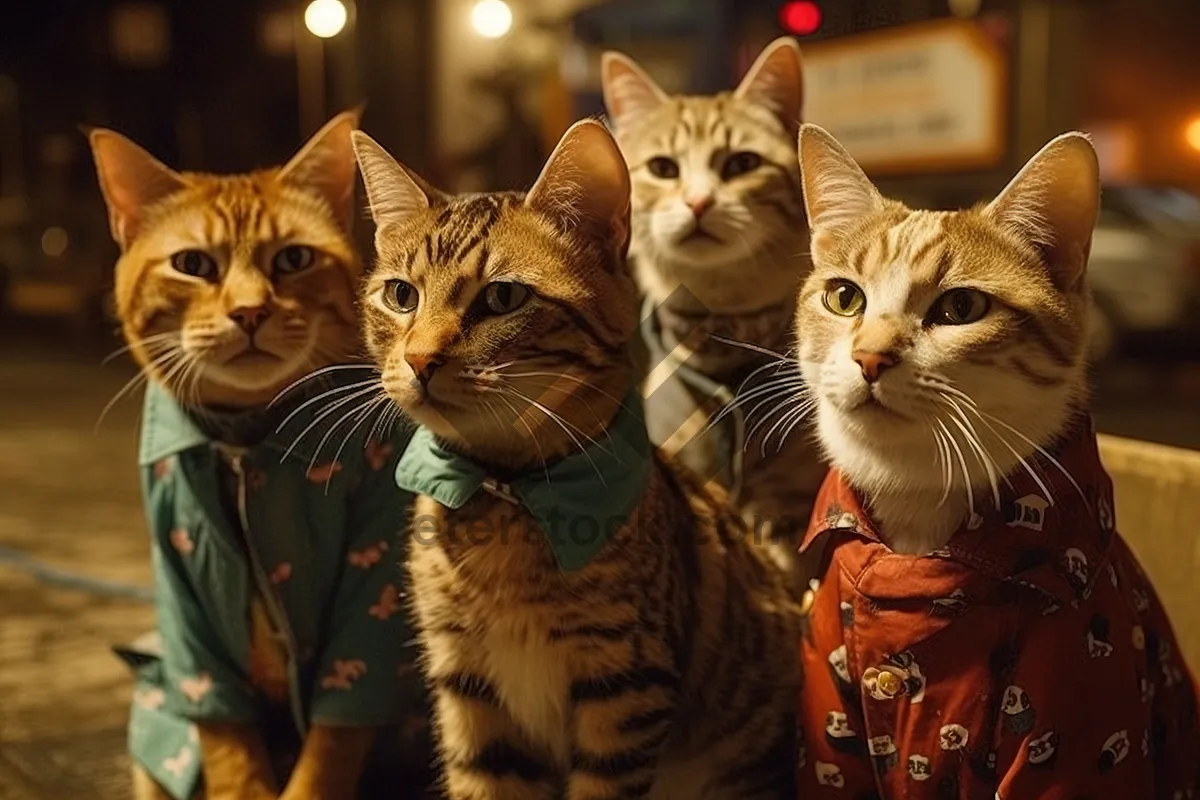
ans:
(959, 307)
(663, 167)
(196, 263)
(400, 296)
(294, 258)
(740, 164)
(503, 297)
(844, 299)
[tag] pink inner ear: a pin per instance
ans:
(131, 180)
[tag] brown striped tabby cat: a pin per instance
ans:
(662, 667)
(194, 285)
(719, 247)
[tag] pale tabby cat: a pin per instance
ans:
(719, 246)
(663, 665)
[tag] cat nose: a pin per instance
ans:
(424, 365)
(249, 318)
(699, 204)
(873, 364)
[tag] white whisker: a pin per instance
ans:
(318, 373)
(980, 454)
(333, 407)
(748, 346)
(558, 420)
(1046, 455)
(328, 393)
(364, 414)
(962, 462)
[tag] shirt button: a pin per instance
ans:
(810, 596)
(806, 602)
(888, 684)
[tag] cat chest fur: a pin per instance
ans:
(501, 591)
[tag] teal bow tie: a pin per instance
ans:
(579, 501)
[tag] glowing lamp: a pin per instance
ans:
(800, 17)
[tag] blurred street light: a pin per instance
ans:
(325, 18)
(491, 18)
(800, 17)
(55, 241)
(1192, 133)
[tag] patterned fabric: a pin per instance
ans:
(707, 379)
(1028, 658)
(578, 501)
(319, 543)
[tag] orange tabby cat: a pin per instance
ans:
(229, 289)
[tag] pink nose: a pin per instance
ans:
(700, 204)
(873, 364)
(423, 365)
(249, 318)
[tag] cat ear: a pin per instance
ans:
(628, 91)
(776, 81)
(131, 181)
(1052, 204)
(836, 191)
(394, 193)
(584, 186)
(326, 163)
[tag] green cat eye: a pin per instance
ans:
(294, 258)
(959, 307)
(196, 263)
(844, 299)
(400, 296)
(663, 167)
(740, 163)
(503, 297)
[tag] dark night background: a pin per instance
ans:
(215, 85)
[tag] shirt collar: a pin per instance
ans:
(602, 484)
(699, 340)
(168, 428)
(1056, 542)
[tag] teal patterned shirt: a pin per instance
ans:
(318, 532)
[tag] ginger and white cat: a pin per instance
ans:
(980, 629)
(949, 333)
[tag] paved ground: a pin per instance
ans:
(68, 498)
(69, 501)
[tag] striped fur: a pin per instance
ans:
(963, 405)
(665, 667)
(744, 271)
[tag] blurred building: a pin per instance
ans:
(223, 85)
(986, 81)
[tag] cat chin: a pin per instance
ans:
(255, 372)
(707, 250)
(869, 430)
(883, 453)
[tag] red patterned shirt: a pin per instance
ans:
(1029, 658)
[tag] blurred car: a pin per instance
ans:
(1145, 265)
(53, 267)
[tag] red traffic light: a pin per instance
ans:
(800, 17)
